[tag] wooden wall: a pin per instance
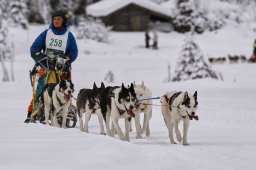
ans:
(130, 18)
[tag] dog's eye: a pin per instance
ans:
(140, 94)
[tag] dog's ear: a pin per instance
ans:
(94, 86)
(102, 86)
(195, 95)
(143, 86)
(71, 85)
(122, 87)
(185, 96)
(186, 99)
(62, 85)
(131, 87)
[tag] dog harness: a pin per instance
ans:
(170, 101)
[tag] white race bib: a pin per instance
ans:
(55, 44)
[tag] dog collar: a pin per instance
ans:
(61, 104)
(92, 108)
(120, 110)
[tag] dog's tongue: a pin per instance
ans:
(67, 96)
(130, 112)
(194, 117)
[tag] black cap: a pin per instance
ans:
(63, 14)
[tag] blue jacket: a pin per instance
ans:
(39, 43)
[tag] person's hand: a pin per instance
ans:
(38, 56)
(68, 59)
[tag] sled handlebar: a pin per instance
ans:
(58, 62)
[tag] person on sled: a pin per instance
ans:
(253, 57)
(55, 41)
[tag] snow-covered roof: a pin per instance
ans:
(169, 4)
(106, 7)
(217, 5)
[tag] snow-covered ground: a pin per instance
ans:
(223, 138)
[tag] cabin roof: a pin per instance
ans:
(107, 7)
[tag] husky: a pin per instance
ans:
(179, 106)
(116, 103)
(55, 99)
(88, 101)
(145, 106)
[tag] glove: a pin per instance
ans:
(69, 57)
(37, 56)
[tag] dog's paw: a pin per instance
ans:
(103, 133)
(138, 137)
(30, 120)
(123, 138)
(185, 144)
(147, 133)
(173, 142)
(86, 130)
(179, 138)
(143, 130)
(127, 139)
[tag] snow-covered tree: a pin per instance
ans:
(191, 63)
(66, 5)
(18, 13)
(159, 1)
(94, 29)
(193, 13)
(6, 48)
(188, 15)
(39, 11)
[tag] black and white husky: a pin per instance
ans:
(143, 92)
(179, 106)
(118, 102)
(88, 101)
(57, 98)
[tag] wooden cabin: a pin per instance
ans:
(131, 15)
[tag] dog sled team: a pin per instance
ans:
(111, 104)
(235, 58)
(54, 50)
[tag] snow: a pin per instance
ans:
(223, 138)
(171, 5)
(217, 5)
(106, 7)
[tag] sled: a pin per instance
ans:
(49, 76)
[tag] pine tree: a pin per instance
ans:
(66, 5)
(11, 12)
(90, 28)
(188, 14)
(6, 50)
(19, 12)
(191, 63)
(39, 11)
